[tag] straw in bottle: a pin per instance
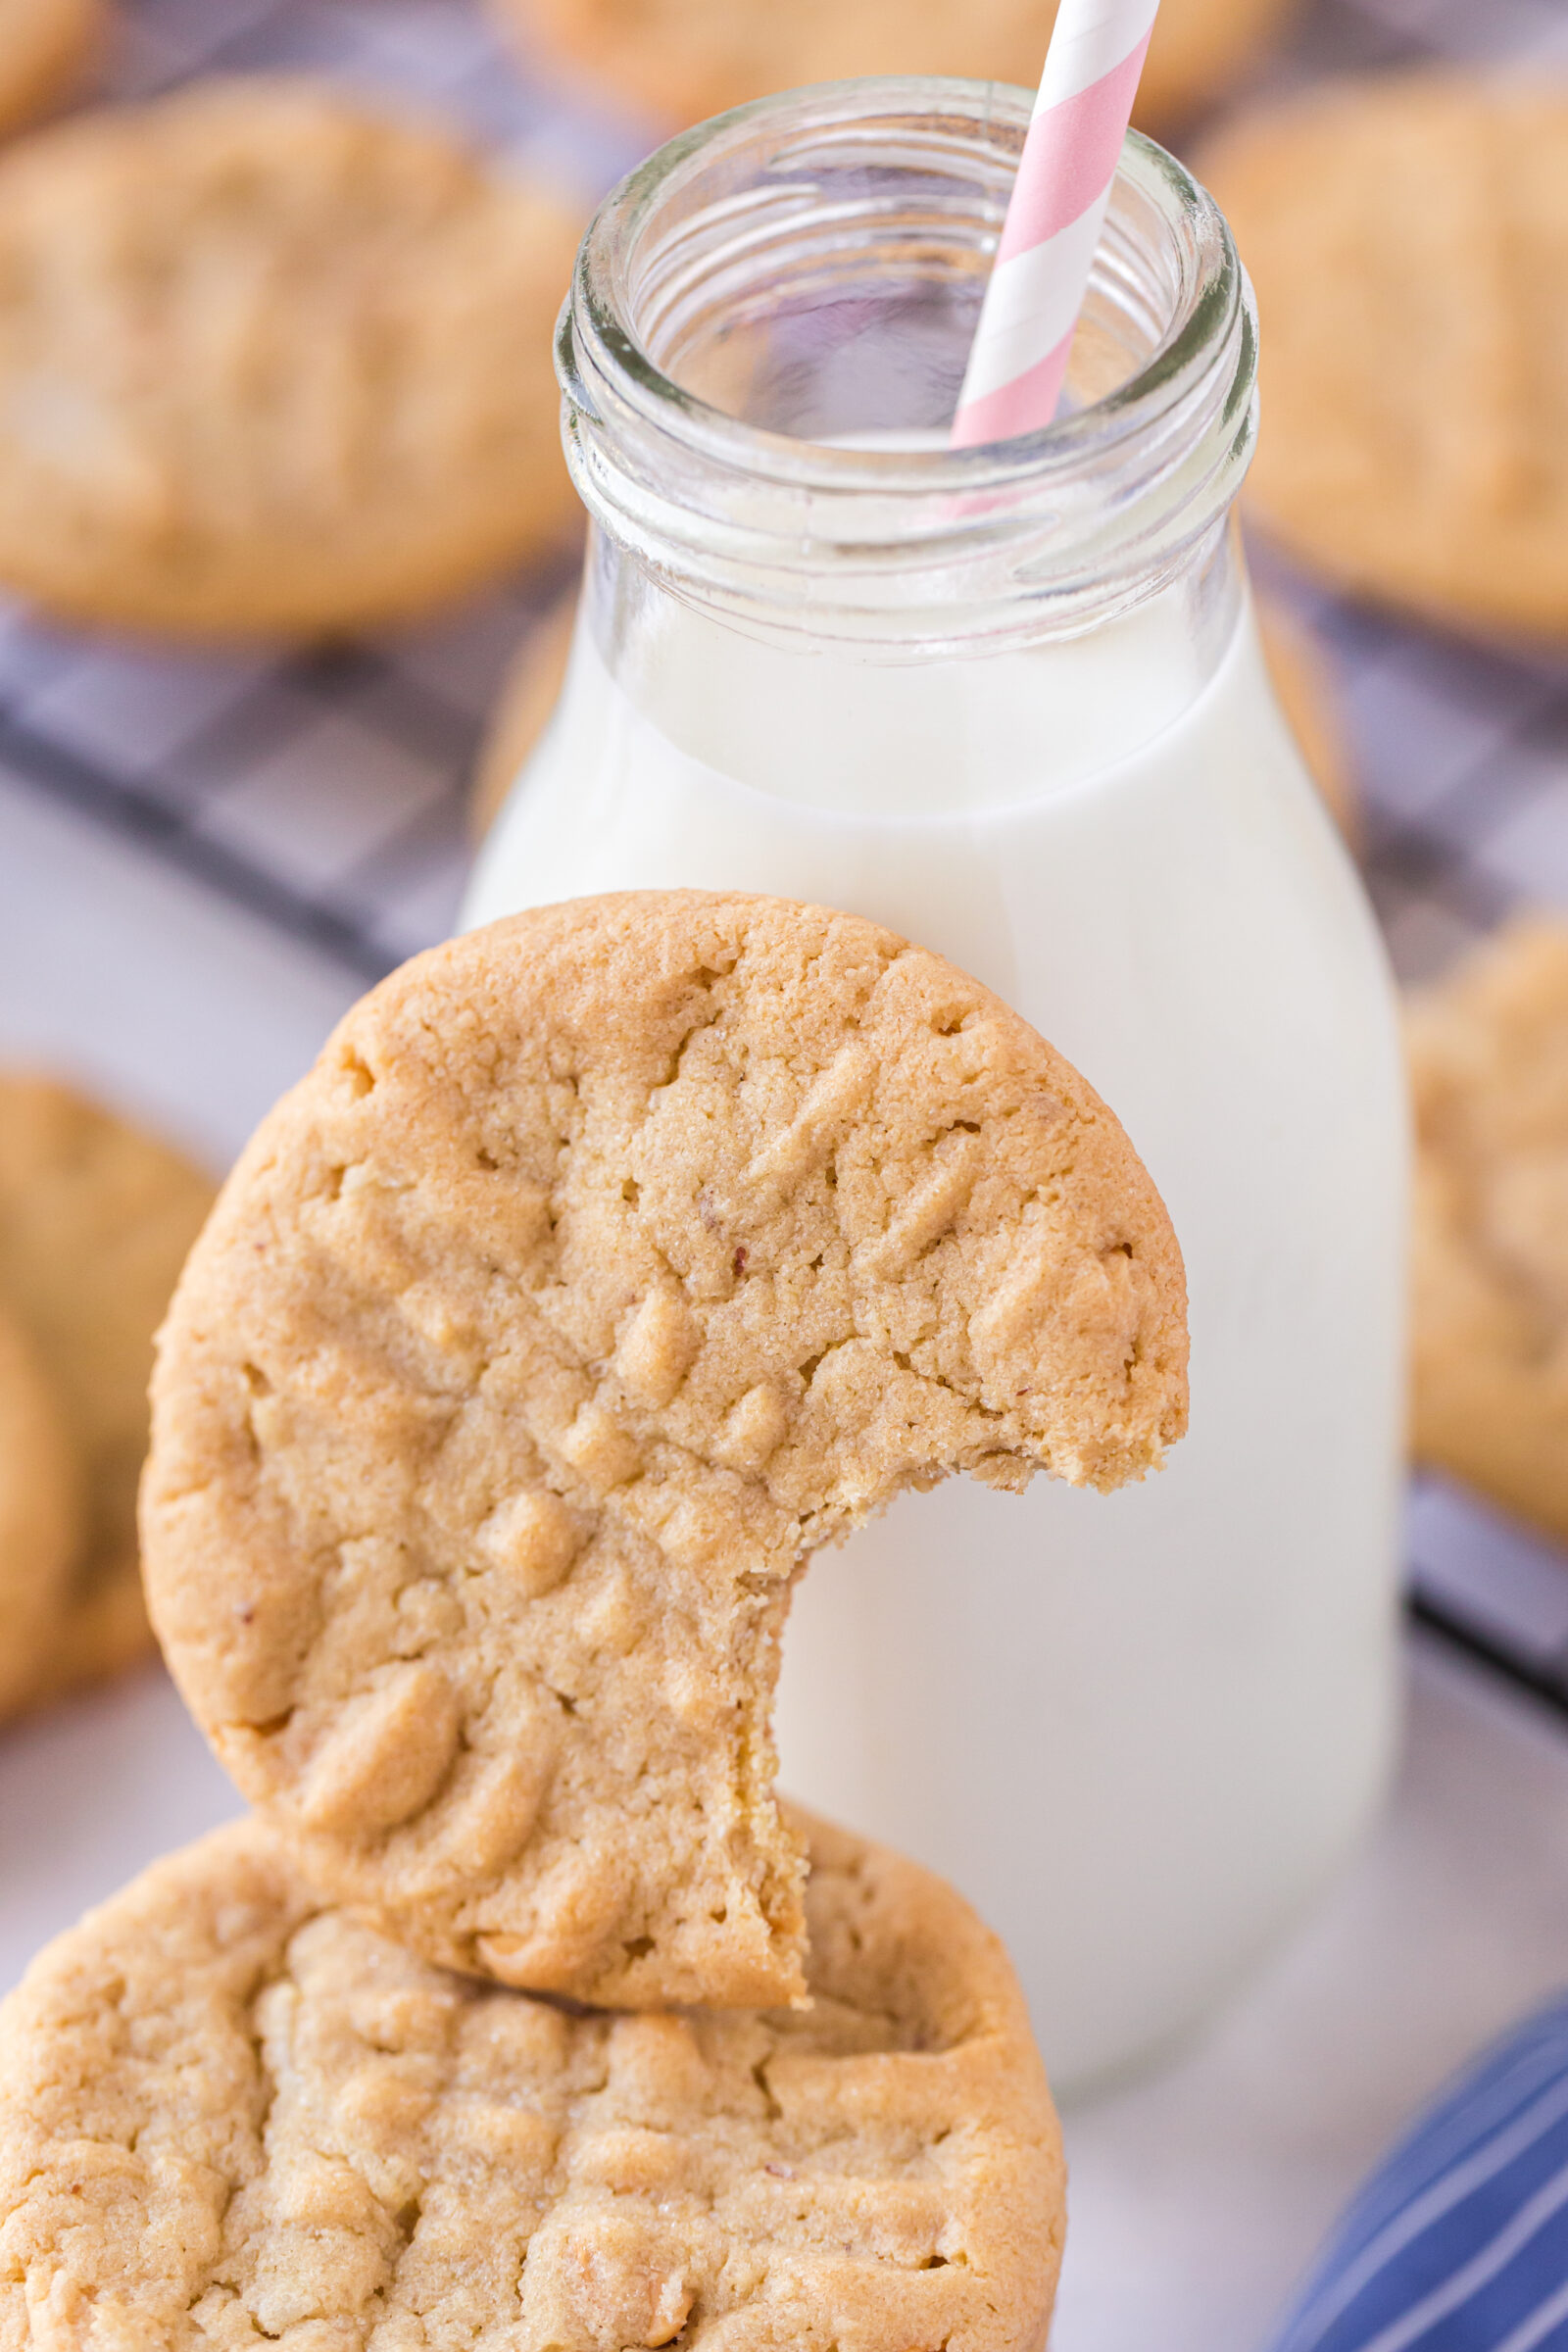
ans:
(1055, 216)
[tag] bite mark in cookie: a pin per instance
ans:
(610, 1261)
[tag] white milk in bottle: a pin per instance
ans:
(1009, 701)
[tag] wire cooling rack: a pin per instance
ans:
(325, 792)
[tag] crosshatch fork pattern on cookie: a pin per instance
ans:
(326, 790)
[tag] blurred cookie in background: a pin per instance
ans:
(1304, 691)
(528, 694)
(682, 60)
(271, 361)
(95, 1220)
(46, 48)
(1488, 1059)
(40, 1520)
(1408, 241)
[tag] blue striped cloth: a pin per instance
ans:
(1459, 2243)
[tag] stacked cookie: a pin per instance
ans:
(95, 1220)
(232, 2111)
(609, 1262)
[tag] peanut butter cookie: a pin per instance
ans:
(1406, 237)
(95, 1220)
(39, 1515)
(231, 2112)
(271, 361)
(1489, 1058)
(611, 1260)
(685, 59)
(45, 49)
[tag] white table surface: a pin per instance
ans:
(1197, 2194)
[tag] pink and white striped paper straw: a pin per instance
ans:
(1055, 216)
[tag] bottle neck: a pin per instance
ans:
(823, 721)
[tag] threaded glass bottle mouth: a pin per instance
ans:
(775, 289)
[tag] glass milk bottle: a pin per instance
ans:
(1009, 701)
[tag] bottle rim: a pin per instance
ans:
(1102, 504)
